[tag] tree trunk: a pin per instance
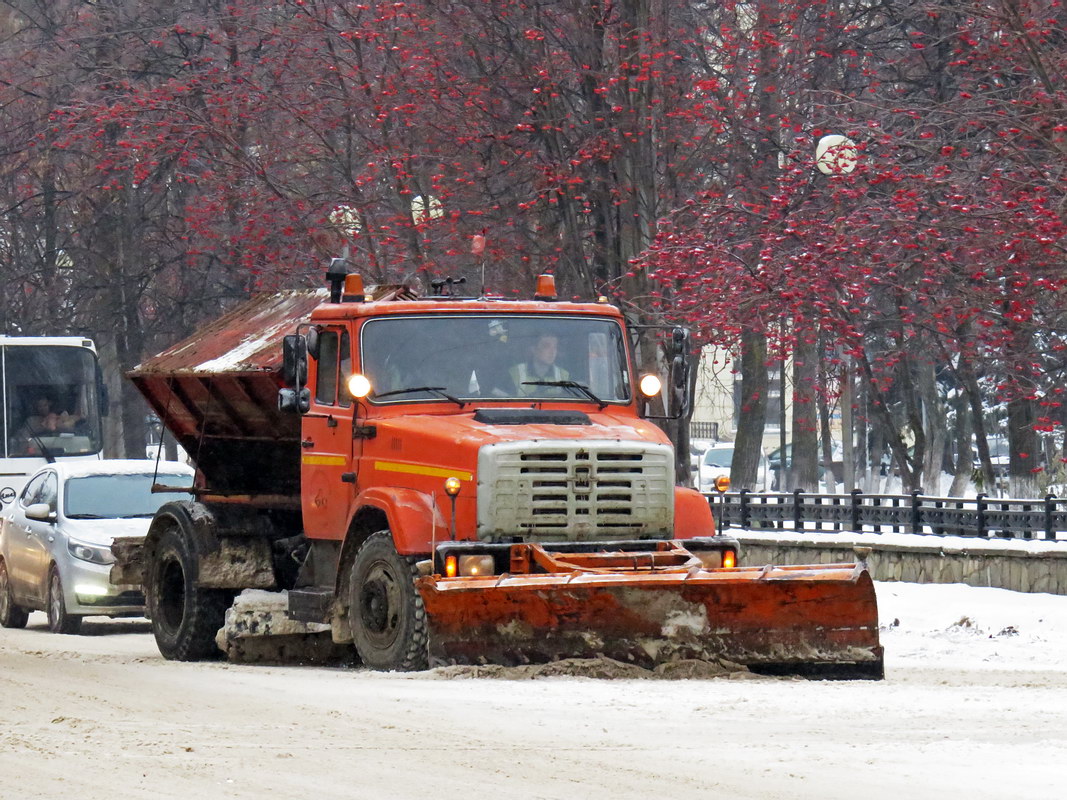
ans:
(963, 432)
(935, 423)
(748, 445)
(804, 468)
(1025, 448)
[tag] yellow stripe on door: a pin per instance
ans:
(325, 461)
(418, 469)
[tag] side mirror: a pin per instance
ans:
(678, 397)
(294, 401)
(294, 360)
(680, 341)
(41, 512)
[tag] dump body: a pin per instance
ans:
(417, 426)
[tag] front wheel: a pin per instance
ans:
(12, 615)
(59, 621)
(185, 617)
(387, 615)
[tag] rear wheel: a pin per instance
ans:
(387, 615)
(59, 621)
(185, 617)
(11, 614)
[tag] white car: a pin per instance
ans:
(55, 539)
(717, 460)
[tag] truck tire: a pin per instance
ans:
(59, 621)
(12, 615)
(185, 617)
(385, 609)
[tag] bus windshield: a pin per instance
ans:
(505, 357)
(50, 401)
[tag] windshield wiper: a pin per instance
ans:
(36, 436)
(439, 389)
(87, 516)
(138, 516)
(581, 387)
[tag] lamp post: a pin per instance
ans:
(836, 155)
(347, 221)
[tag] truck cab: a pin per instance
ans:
(530, 407)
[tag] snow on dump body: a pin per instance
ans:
(217, 394)
(245, 340)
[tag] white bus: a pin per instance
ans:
(51, 400)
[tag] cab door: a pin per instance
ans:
(327, 480)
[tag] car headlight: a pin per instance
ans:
(94, 553)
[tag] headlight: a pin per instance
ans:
(94, 553)
(475, 565)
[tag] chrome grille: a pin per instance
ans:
(575, 491)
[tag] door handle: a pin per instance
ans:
(307, 443)
(51, 538)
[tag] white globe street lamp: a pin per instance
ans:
(836, 155)
(424, 209)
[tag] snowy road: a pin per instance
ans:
(974, 705)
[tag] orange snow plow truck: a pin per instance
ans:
(448, 479)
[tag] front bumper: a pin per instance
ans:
(88, 591)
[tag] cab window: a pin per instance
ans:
(335, 364)
(326, 382)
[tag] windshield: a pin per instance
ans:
(463, 357)
(110, 496)
(50, 401)
(719, 457)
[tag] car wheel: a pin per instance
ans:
(11, 614)
(385, 609)
(59, 621)
(185, 616)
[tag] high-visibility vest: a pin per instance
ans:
(521, 373)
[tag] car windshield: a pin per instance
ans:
(111, 496)
(719, 457)
(506, 357)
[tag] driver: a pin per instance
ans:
(44, 420)
(540, 365)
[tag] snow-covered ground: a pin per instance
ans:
(951, 626)
(974, 705)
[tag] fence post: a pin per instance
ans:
(798, 516)
(916, 505)
(1050, 508)
(980, 504)
(743, 498)
(854, 512)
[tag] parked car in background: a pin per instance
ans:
(774, 464)
(697, 448)
(999, 455)
(55, 540)
(716, 461)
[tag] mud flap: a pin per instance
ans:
(818, 620)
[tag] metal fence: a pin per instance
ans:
(915, 513)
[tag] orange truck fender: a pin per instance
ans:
(692, 514)
(414, 518)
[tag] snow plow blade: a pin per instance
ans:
(817, 620)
